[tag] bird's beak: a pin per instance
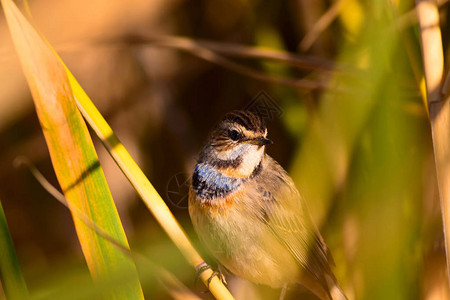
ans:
(260, 141)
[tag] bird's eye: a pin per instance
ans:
(234, 135)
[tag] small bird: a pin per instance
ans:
(248, 213)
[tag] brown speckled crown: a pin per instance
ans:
(247, 119)
(219, 136)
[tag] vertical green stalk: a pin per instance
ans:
(10, 273)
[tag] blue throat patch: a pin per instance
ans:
(209, 183)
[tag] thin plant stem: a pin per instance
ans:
(322, 24)
(439, 106)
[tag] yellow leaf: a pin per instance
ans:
(74, 158)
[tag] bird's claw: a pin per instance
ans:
(203, 267)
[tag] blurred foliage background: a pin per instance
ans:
(349, 124)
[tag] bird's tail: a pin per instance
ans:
(337, 293)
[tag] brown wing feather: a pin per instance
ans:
(288, 218)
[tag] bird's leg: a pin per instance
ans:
(221, 276)
(200, 269)
(283, 291)
(203, 267)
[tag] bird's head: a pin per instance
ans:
(237, 143)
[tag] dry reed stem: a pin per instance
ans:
(212, 52)
(322, 24)
(439, 106)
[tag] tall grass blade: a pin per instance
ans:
(10, 272)
(74, 158)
